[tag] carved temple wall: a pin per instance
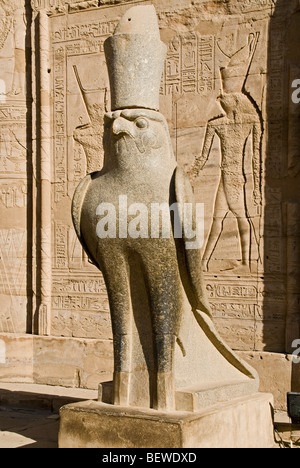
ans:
(226, 93)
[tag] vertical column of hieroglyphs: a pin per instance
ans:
(13, 157)
(80, 97)
(59, 122)
(43, 148)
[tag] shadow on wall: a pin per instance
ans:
(29, 169)
(282, 196)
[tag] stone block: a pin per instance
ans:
(16, 358)
(66, 362)
(241, 423)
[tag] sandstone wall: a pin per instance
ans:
(227, 95)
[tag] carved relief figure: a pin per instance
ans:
(240, 122)
(13, 19)
(18, 85)
(5, 24)
(12, 148)
(13, 152)
(90, 135)
(12, 284)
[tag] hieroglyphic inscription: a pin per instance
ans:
(60, 162)
(73, 302)
(81, 31)
(275, 99)
(233, 299)
(76, 286)
(273, 252)
(80, 308)
(234, 310)
(12, 113)
(78, 173)
(85, 38)
(273, 234)
(231, 291)
(236, 306)
(13, 195)
(61, 245)
(206, 52)
(189, 66)
(48, 5)
(81, 324)
(76, 40)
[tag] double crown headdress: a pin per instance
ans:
(135, 58)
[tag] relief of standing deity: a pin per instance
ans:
(241, 120)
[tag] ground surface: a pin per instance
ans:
(29, 413)
(29, 416)
(28, 428)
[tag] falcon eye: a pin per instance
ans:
(141, 123)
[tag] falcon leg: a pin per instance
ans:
(163, 283)
(165, 386)
(117, 284)
(121, 377)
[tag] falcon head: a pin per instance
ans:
(132, 132)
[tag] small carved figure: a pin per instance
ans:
(90, 135)
(14, 18)
(18, 85)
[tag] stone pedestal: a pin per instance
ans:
(241, 423)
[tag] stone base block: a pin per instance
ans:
(242, 423)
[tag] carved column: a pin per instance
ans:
(44, 322)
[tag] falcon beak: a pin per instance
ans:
(121, 126)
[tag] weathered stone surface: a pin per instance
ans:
(201, 38)
(13, 168)
(68, 362)
(135, 59)
(242, 423)
(94, 364)
(278, 374)
(241, 38)
(199, 44)
(165, 342)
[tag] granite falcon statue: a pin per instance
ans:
(142, 166)
(150, 278)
